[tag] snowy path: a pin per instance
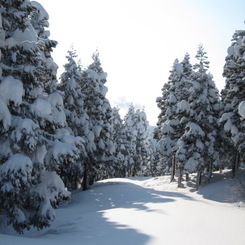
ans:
(146, 211)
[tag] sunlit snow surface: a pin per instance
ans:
(145, 211)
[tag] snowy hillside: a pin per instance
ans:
(140, 211)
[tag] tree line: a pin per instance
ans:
(200, 130)
(56, 136)
(60, 135)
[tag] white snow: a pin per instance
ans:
(237, 50)
(104, 90)
(172, 99)
(166, 128)
(29, 34)
(39, 154)
(145, 211)
(193, 162)
(231, 51)
(61, 149)
(43, 13)
(243, 40)
(10, 42)
(41, 107)
(241, 109)
(50, 187)
(24, 127)
(178, 67)
(56, 102)
(183, 106)
(56, 99)
(226, 117)
(194, 129)
(97, 130)
(5, 115)
(11, 89)
(165, 146)
(91, 136)
(17, 163)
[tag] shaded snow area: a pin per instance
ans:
(145, 211)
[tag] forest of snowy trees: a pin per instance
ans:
(58, 135)
(199, 131)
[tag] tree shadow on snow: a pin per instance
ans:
(82, 220)
(222, 188)
(121, 195)
(129, 195)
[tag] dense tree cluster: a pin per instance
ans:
(199, 131)
(60, 135)
(56, 136)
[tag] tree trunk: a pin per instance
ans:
(199, 178)
(180, 177)
(85, 178)
(210, 171)
(173, 169)
(235, 164)
(187, 178)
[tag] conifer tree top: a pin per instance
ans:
(203, 64)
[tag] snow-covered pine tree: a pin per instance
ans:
(164, 163)
(130, 121)
(139, 146)
(72, 94)
(232, 95)
(119, 140)
(97, 106)
(76, 117)
(39, 21)
(70, 170)
(144, 146)
(174, 110)
(197, 148)
(29, 189)
(183, 113)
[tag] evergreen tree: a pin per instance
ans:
(232, 95)
(139, 146)
(197, 147)
(29, 186)
(39, 21)
(98, 108)
(174, 111)
(187, 128)
(76, 116)
(70, 169)
(130, 121)
(119, 140)
(144, 146)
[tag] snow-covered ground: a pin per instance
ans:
(145, 211)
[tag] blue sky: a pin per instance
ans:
(139, 40)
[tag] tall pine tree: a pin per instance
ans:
(197, 147)
(76, 116)
(174, 110)
(232, 95)
(119, 139)
(29, 187)
(97, 106)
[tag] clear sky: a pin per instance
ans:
(139, 40)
